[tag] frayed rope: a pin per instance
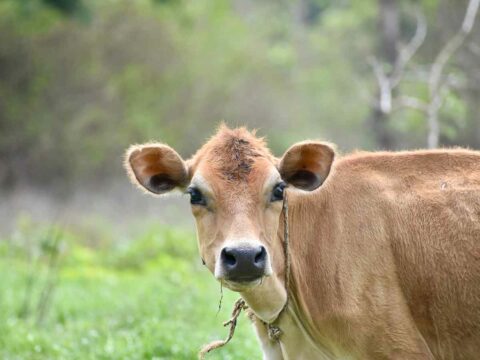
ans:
(237, 309)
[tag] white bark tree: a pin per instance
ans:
(438, 79)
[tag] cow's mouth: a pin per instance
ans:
(242, 284)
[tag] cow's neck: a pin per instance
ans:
(267, 299)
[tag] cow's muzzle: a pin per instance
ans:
(243, 263)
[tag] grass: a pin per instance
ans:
(148, 298)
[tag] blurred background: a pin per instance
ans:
(92, 268)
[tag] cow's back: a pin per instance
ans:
(430, 205)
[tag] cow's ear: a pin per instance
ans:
(156, 167)
(307, 164)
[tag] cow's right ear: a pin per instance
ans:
(307, 164)
(156, 167)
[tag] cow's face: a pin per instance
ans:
(236, 190)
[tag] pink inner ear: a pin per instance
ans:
(312, 159)
(147, 165)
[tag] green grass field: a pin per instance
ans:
(148, 298)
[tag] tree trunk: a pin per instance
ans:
(389, 32)
(388, 23)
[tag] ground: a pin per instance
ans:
(64, 297)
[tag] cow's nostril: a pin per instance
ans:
(260, 257)
(243, 263)
(228, 258)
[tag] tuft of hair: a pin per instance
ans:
(232, 152)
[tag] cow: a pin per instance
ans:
(384, 247)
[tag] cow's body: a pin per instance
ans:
(386, 260)
(384, 247)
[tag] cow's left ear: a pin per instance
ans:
(307, 164)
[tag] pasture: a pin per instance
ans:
(148, 298)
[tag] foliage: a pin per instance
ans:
(81, 79)
(164, 306)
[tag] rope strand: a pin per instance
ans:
(274, 332)
(286, 245)
(237, 309)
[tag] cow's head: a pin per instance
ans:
(236, 189)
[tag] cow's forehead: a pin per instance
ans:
(233, 160)
(232, 154)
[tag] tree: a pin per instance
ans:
(387, 50)
(437, 76)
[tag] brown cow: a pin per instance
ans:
(385, 247)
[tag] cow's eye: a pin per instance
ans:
(277, 193)
(196, 197)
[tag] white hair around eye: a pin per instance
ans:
(272, 179)
(199, 182)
